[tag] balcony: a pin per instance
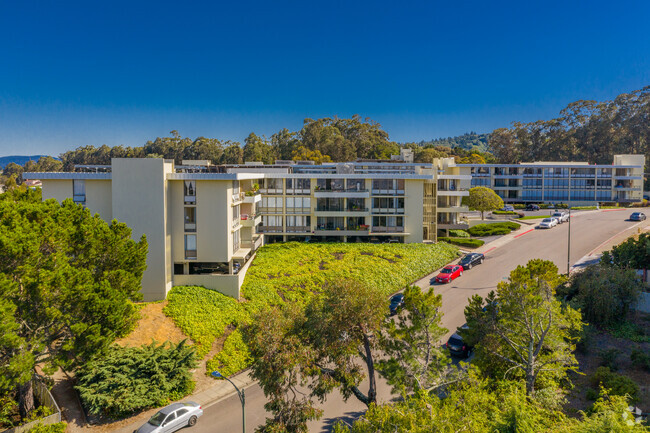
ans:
(390, 192)
(340, 193)
(270, 229)
(298, 191)
(254, 244)
(237, 198)
(458, 192)
(452, 209)
(298, 229)
(252, 197)
(251, 220)
(379, 229)
(388, 211)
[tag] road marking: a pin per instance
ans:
(521, 234)
(489, 250)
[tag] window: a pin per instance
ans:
(356, 184)
(236, 241)
(79, 191)
(271, 224)
(235, 216)
(181, 412)
(271, 204)
(298, 223)
(190, 192)
(298, 205)
(298, 186)
(171, 417)
(388, 223)
(190, 219)
(179, 268)
(271, 186)
(190, 246)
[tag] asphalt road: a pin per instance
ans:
(588, 231)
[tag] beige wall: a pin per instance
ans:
(414, 191)
(99, 198)
(213, 221)
(59, 189)
(139, 200)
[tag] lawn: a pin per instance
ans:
(293, 272)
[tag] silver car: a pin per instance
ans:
(547, 223)
(173, 417)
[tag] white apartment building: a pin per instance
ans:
(203, 223)
(574, 183)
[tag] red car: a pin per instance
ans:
(449, 273)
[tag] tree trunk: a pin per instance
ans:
(26, 398)
(482, 216)
(372, 387)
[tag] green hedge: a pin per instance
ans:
(127, 380)
(294, 272)
(495, 229)
(473, 243)
(504, 212)
(458, 234)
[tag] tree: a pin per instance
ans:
(484, 199)
(256, 149)
(325, 346)
(414, 360)
(524, 327)
(604, 293)
(284, 143)
(634, 253)
(304, 154)
(68, 279)
(233, 154)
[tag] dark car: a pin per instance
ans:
(449, 273)
(457, 346)
(532, 207)
(637, 216)
(396, 303)
(471, 259)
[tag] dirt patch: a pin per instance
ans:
(321, 266)
(365, 253)
(338, 256)
(397, 256)
(153, 325)
(387, 259)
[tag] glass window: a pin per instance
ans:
(79, 191)
(190, 246)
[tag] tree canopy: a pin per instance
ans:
(483, 199)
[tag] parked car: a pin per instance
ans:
(471, 259)
(396, 303)
(449, 273)
(532, 207)
(508, 208)
(547, 223)
(171, 418)
(637, 216)
(561, 217)
(457, 346)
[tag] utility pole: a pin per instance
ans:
(568, 256)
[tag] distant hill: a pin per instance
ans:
(18, 159)
(467, 141)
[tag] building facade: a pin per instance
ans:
(574, 183)
(203, 223)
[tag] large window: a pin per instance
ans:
(355, 184)
(298, 205)
(298, 186)
(235, 216)
(329, 184)
(79, 191)
(388, 204)
(190, 219)
(388, 224)
(271, 204)
(388, 186)
(190, 191)
(271, 186)
(330, 223)
(298, 223)
(235, 241)
(271, 224)
(329, 204)
(190, 246)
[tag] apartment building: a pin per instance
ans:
(204, 223)
(574, 183)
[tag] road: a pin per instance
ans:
(588, 231)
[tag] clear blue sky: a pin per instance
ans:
(123, 72)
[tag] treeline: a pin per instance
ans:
(468, 141)
(589, 131)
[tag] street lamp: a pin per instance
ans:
(241, 395)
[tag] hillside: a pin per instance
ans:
(18, 159)
(467, 141)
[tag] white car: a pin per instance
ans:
(173, 417)
(548, 223)
(562, 217)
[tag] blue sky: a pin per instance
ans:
(123, 72)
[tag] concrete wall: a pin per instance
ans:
(99, 198)
(59, 189)
(414, 191)
(139, 199)
(213, 221)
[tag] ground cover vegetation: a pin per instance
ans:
(67, 282)
(292, 273)
(495, 229)
(126, 380)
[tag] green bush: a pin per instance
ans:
(294, 272)
(458, 234)
(608, 358)
(481, 230)
(617, 384)
(58, 427)
(640, 359)
(233, 358)
(127, 380)
(519, 206)
(504, 212)
(629, 331)
(472, 243)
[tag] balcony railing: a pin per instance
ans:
(389, 210)
(270, 229)
(298, 229)
(330, 227)
(301, 210)
(299, 191)
(190, 199)
(330, 209)
(379, 229)
(388, 191)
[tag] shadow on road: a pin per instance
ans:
(347, 418)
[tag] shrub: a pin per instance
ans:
(58, 427)
(472, 243)
(504, 212)
(458, 234)
(629, 331)
(608, 358)
(640, 359)
(617, 384)
(233, 358)
(129, 379)
(519, 206)
(495, 229)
